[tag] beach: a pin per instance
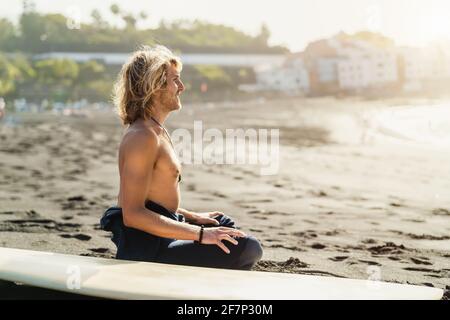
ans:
(354, 194)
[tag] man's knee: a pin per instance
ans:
(251, 254)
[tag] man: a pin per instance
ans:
(147, 223)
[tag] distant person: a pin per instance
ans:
(2, 108)
(147, 223)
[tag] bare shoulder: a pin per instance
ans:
(139, 138)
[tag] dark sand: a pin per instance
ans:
(338, 206)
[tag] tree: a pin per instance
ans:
(115, 9)
(7, 35)
(57, 72)
(98, 21)
(130, 21)
(264, 35)
(8, 74)
(129, 18)
(32, 30)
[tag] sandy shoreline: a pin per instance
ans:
(336, 207)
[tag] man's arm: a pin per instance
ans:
(140, 155)
(206, 218)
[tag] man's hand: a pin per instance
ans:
(205, 218)
(217, 235)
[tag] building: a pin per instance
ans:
(291, 77)
(368, 68)
(424, 68)
(321, 59)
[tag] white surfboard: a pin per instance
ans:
(118, 279)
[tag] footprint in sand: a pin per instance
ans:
(318, 246)
(191, 187)
(99, 250)
(338, 258)
(36, 174)
(25, 214)
(37, 226)
(318, 193)
(396, 205)
(394, 258)
(370, 263)
(207, 199)
(9, 213)
(309, 234)
(441, 212)
(422, 270)
(18, 168)
(369, 241)
(219, 195)
(75, 203)
(79, 236)
(332, 233)
(387, 249)
(310, 222)
(277, 246)
(414, 220)
(421, 261)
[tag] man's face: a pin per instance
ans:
(169, 96)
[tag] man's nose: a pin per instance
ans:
(181, 87)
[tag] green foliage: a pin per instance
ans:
(7, 35)
(37, 33)
(64, 79)
(90, 70)
(8, 73)
(213, 74)
(57, 71)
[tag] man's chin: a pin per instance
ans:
(178, 105)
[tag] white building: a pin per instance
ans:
(343, 63)
(291, 77)
(424, 65)
(327, 70)
(368, 68)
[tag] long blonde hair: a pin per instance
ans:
(141, 76)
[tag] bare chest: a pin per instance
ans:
(167, 163)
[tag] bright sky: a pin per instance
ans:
(292, 22)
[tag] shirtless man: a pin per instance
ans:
(147, 223)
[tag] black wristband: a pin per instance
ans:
(201, 234)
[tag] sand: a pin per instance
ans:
(344, 202)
